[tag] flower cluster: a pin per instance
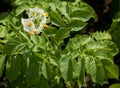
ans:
(35, 22)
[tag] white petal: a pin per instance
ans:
(26, 26)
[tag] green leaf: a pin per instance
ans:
(83, 15)
(13, 46)
(100, 75)
(3, 32)
(76, 25)
(43, 83)
(2, 64)
(77, 42)
(3, 17)
(46, 70)
(111, 70)
(33, 74)
(21, 8)
(1, 48)
(65, 33)
(115, 29)
(116, 37)
(66, 69)
(56, 18)
(82, 74)
(87, 7)
(87, 64)
(35, 39)
(93, 69)
(25, 36)
(62, 7)
(101, 36)
(19, 2)
(111, 46)
(95, 45)
(96, 71)
(79, 69)
(40, 56)
(117, 85)
(84, 39)
(50, 31)
(53, 60)
(13, 68)
(103, 54)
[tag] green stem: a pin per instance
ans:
(51, 46)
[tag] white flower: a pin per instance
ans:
(35, 22)
(41, 24)
(36, 13)
(28, 25)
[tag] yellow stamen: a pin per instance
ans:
(29, 33)
(45, 25)
(35, 31)
(35, 13)
(30, 24)
(45, 14)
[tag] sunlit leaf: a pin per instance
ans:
(117, 85)
(111, 70)
(46, 70)
(2, 64)
(56, 18)
(66, 69)
(76, 25)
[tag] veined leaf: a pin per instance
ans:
(66, 69)
(53, 60)
(2, 64)
(100, 75)
(3, 17)
(13, 68)
(101, 36)
(1, 48)
(14, 45)
(33, 74)
(46, 70)
(78, 41)
(93, 69)
(83, 15)
(96, 71)
(111, 70)
(56, 18)
(21, 8)
(117, 85)
(79, 69)
(85, 6)
(3, 32)
(111, 46)
(65, 33)
(115, 29)
(95, 45)
(76, 25)
(62, 7)
(103, 54)
(87, 64)
(19, 2)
